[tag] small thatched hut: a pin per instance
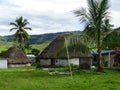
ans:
(55, 54)
(16, 57)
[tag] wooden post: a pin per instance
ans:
(52, 63)
(108, 59)
(68, 58)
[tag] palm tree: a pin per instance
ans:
(28, 47)
(96, 21)
(20, 26)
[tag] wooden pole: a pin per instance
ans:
(108, 59)
(68, 58)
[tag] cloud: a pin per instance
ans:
(58, 6)
(52, 22)
(47, 16)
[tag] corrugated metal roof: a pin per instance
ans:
(104, 52)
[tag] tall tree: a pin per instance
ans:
(96, 21)
(20, 26)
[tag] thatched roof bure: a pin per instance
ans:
(57, 50)
(16, 56)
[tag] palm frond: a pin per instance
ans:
(84, 17)
(14, 24)
(77, 42)
(26, 35)
(15, 28)
(75, 45)
(28, 28)
(103, 8)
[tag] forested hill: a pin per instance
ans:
(42, 38)
(3, 40)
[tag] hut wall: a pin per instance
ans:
(64, 62)
(19, 65)
(46, 62)
(106, 58)
(85, 63)
(85, 60)
(59, 62)
(3, 63)
(74, 61)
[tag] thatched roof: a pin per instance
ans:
(16, 56)
(57, 49)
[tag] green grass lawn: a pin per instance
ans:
(28, 78)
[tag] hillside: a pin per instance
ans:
(3, 40)
(43, 38)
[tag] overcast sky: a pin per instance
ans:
(48, 16)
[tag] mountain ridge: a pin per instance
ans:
(42, 38)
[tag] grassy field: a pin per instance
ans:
(28, 78)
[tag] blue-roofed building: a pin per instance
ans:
(108, 57)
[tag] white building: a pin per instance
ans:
(3, 63)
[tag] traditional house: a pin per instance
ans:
(62, 48)
(16, 57)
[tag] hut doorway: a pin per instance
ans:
(52, 62)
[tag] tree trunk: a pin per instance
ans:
(100, 67)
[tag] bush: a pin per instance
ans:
(2, 53)
(84, 66)
(37, 62)
(35, 51)
(74, 67)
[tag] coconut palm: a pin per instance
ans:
(96, 19)
(20, 26)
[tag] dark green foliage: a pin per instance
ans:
(35, 52)
(27, 46)
(37, 62)
(2, 53)
(23, 49)
(74, 67)
(112, 40)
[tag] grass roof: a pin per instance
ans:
(16, 56)
(57, 48)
